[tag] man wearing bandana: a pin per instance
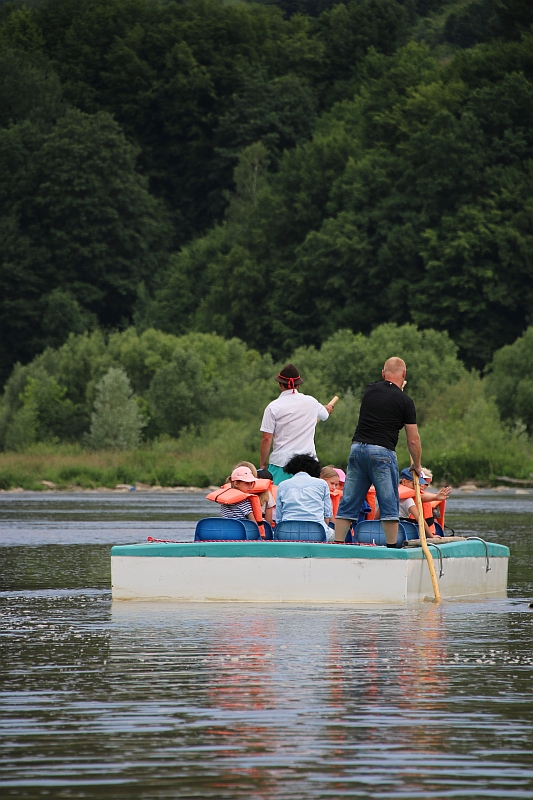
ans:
(289, 424)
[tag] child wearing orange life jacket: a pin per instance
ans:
(428, 475)
(331, 476)
(408, 507)
(243, 480)
(268, 503)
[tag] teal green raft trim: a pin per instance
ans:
(466, 549)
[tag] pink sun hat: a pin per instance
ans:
(341, 474)
(243, 474)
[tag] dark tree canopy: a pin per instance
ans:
(275, 171)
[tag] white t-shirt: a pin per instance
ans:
(269, 503)
(405, 507)
(292, 420)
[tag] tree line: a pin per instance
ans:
(119, 390)
(272, 172)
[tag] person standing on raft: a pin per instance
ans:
(385, 410)
(289, 424)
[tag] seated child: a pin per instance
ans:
(408, 507)
(242, 479)
(331, 476)
(342, 476)
(428, 475)
(266, 499)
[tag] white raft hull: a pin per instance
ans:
(287, 572)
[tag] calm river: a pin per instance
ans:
(242, 701)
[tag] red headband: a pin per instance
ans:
(291, 382)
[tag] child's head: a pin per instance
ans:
(406, 479)
(342, 475)
(250, 466)
(243, 479)
(331, 476)
(427, 473)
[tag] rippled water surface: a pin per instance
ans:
(251, 701)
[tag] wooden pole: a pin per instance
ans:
(333, 401)
(423, 542)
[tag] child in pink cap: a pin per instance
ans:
(342, 476)
(242, 479)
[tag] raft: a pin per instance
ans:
(304, 572)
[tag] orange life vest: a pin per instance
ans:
(441, 506)
(261, 485)
(227, 496)
(335, 495)
(371, 500)
(404, 492)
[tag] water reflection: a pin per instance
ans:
(228, 701)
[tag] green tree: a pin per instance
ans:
(513, 18)
(279, 112)
(510, 381)
(29, 89)
(74, 214)
(117, 421)
(178, 394)
(349, 30)
(171, 72)
(36, 409)
(411, 203)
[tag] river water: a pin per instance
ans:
(103, 700)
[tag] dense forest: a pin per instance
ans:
(175, 177)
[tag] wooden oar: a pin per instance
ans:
(331, 403)
(423, 542)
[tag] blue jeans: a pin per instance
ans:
(371, 464)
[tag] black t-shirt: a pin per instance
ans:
(385, 409)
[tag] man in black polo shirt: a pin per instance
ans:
(385, 410)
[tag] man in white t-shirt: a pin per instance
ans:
(289, 424)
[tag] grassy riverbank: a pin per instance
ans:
(187, 462)
(475, 447)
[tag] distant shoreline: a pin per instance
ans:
(465, 489)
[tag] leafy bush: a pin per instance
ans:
(510, 380)
(39, 412)
(116, 422)
(178, 395)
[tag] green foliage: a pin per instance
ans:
(186, 383)
(39, 412)
(177, 394)
(177, 77)
(29, 89)
(73, 213)
(273, 174)
(510, 381)
(116, 422)
(348, 362)
(410, 204)
(476, 446)
(349, 31)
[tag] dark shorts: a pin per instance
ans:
(371, 464)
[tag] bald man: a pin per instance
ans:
(385, 410)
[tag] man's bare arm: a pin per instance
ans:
(264, 449)
(414, 446)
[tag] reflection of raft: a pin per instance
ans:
(302, 572)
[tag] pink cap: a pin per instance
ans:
(243, 474)
(341, 474)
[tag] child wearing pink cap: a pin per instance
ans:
(342, 476)
(242, 479)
